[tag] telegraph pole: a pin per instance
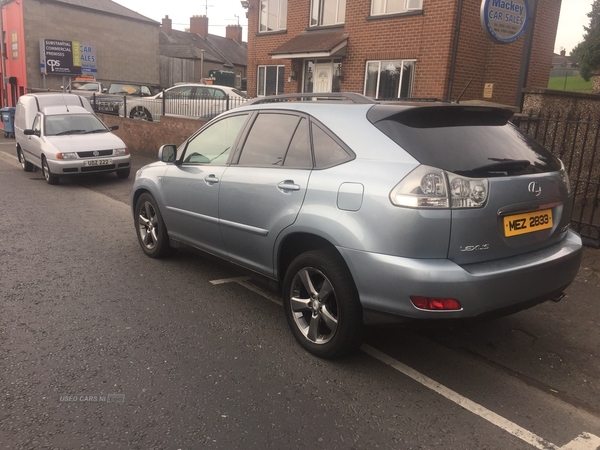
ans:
(2, 56)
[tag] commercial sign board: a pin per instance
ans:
(58, 57)
(504, 20)
(88, 61)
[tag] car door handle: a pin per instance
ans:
(288, 185)
(211, 179)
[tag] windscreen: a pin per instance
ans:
(469, 141)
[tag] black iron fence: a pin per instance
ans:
(168, 104)
(574, 139)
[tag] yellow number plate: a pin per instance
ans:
(527, 223)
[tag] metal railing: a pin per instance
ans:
(152, 109)
(574, 139)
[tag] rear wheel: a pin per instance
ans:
(150, 228)
(321, 304)
(140, 113)
(50, 179)
(26, 165)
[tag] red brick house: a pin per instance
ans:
(391, 49)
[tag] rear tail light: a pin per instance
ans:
(435, 304)
(428, 187)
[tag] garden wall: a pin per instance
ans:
(145, 138)
(564, 103)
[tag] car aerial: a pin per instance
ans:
(61, 135)
(185, 100)
(113, 97)
(367, 213)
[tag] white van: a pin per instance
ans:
(61, 135)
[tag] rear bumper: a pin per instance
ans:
(385, 283)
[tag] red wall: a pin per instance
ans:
(16, 63)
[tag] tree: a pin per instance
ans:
(589, 49)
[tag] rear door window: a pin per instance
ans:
(277, 140)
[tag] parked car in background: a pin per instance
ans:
(85, 87)
(61, 135)
(200, 101)
(366, 213)
(112, 99)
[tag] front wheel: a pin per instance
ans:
(140, 113)
(321, 304)
(26, 165)
(50, 178)
(150, 228)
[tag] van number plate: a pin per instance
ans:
(98, 162)
(527, 223)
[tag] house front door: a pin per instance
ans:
(323, 72)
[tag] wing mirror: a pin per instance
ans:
(30, 132)
(167, 153)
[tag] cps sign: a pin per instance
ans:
(59, 57)
(504, 20)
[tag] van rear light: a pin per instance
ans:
(435, 304)
(428, 187)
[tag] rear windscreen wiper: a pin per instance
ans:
(499, 167)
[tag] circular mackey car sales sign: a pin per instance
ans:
(504, 20)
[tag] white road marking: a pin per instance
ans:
(230, 280)
(585, 441)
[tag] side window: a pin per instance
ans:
(213, 144)
(37, 124)
(298, 155)
(269, 140)
(178, 93)
(217, 93)
(146, 92)
(328, 152)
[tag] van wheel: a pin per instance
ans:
(322, 305)
(26, 165)
(140, 113)
(50, 179)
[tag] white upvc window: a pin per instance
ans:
(379, 7)
(327, 12)
(273, 15)
(389, 79)
(270, 80)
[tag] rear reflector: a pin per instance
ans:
(435, 304)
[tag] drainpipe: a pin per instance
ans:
(4, 99)
(454, 50)
(526, 57)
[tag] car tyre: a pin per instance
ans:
(124, 173)
(26, 165)
(140, 113)
(322, 305)
(50, 178)
(150, 228)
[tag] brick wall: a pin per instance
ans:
(145, 138)
(426, 37)
(127, 50)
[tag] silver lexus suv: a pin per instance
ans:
(364, 213)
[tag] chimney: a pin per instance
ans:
(234, 32)
(167, 25)
(563, 52)
(199, 25)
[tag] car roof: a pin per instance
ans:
(55, 110)
(46, 100)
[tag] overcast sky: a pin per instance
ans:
(227, 12)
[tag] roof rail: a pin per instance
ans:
(411, 99)
(352, 96)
